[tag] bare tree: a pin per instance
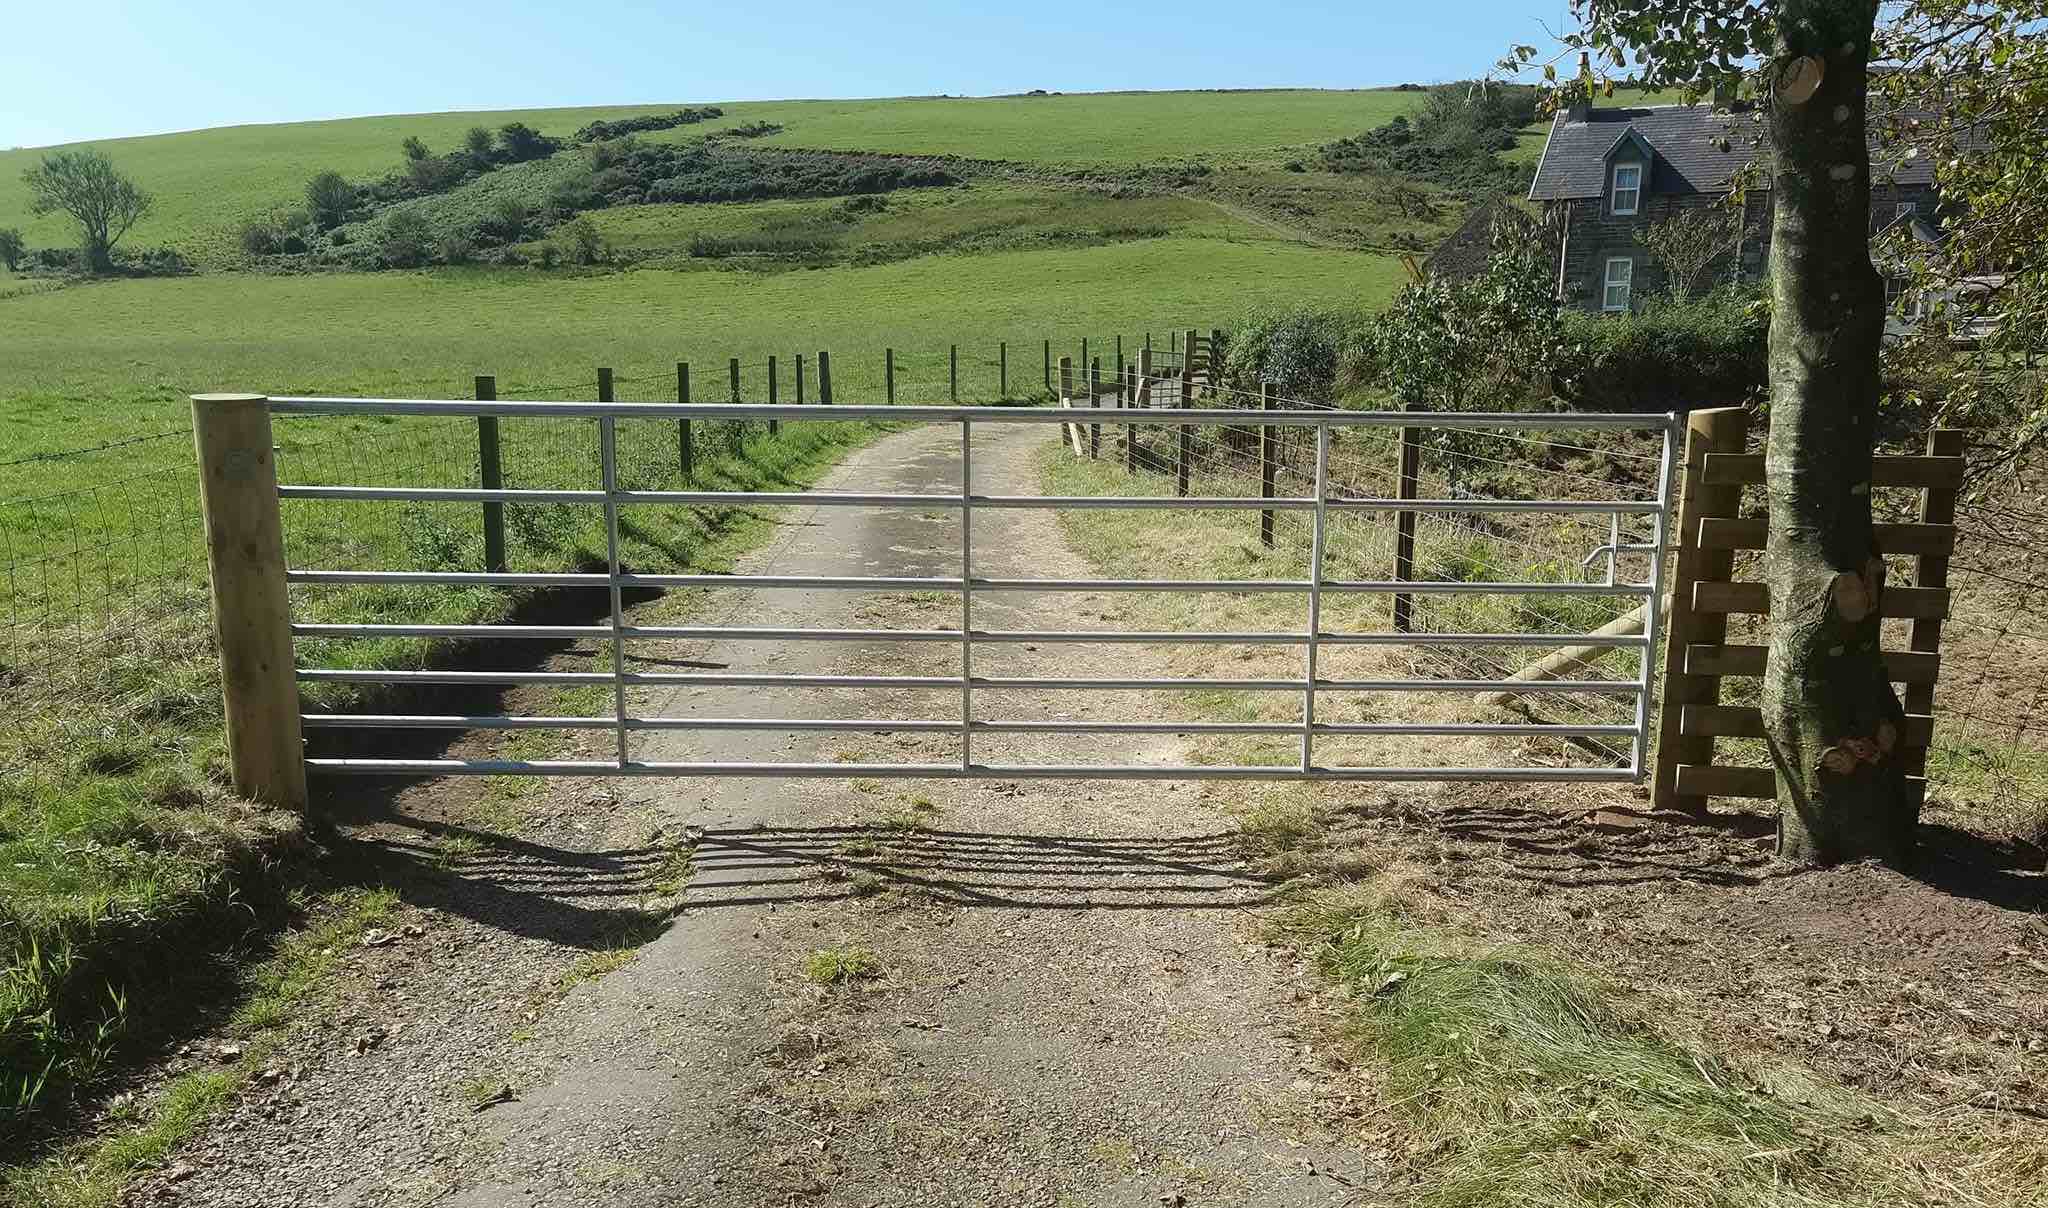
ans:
(85, 185)
(1688, 245)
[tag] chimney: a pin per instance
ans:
(1581, 106)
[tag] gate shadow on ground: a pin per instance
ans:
(603, 898)
(975, 869)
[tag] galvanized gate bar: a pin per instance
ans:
(1320, 505)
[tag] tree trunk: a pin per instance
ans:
(1828, 708)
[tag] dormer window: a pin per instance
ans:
(1628, 188)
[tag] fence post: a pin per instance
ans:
(732, 371)
(773, 387)
(251, 607)
(1216, 362)
(953, 373)
(799, 379)
(490, 476)
(1131, 385)
(1269, 461)
(824, 377)
(1119, 354)
(1048, 364)
(688, 458)
(1937, 506)
(1720, 430)
(1002, 369)
(1095, 402)
(1404, 527)
(889, 373)
(1068, 432)
(1187, 434)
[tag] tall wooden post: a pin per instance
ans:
(1131, 387)
(889, 373)
(824, 377)
(1269, 463)
(1410, 471)
(1070, 433)
(490, 476)
(732, 373)
(1084, 350)
(1720, 430)
(799, 379)
(1095, 403)
(604, 386)
(251, 606)
(1002, 369)
(687, 460)
(953, 373)
(773, 387)
(1048, 364)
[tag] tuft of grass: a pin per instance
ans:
(483, 1090)
(1526, 1082)
(842, 966)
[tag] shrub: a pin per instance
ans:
(1297, 349)
(1669, 356)
(583, 243)
(435, 174)
(507, 220)
(414, 148)
(477, 141)
(606, 154)
(329, 198)
(455, 249)
(548, 256)
(600, 131)
(755, 130)
(405, 240)
(276, 234)
(12, 248)
(520, 142)
(572, 196)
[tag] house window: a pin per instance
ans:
(1628, 187)
(1621, 273)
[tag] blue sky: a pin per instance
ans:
(77, 72)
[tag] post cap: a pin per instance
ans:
(218, 399)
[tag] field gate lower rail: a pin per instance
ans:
(251, 582)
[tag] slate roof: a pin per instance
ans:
(1465, 254)
(1687, 140)
(1697, 150)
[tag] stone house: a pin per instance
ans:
(1607, 174)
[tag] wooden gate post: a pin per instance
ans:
(604, 386)
(1269, 461)
(687, 460)
(251, 606)
(732, 373)
(1719, 430)
(1937, 506)
(1002, 369)
(490, 476)
(889, 374)
(773, 387)
(1048, 364)
(1404, 526)
(952, 373)
(799, 379)
(824, 378)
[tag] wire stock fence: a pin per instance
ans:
(104, 561)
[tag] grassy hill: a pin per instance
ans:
(208, 181)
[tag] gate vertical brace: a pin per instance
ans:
(608, 463)
(1660, 531)
(1315, 599)
(490, 476)
(966, 595)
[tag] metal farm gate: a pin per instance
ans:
(252, 586)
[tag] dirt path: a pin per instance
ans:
(1069, 1006)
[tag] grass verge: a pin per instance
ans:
(1524, 1081)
